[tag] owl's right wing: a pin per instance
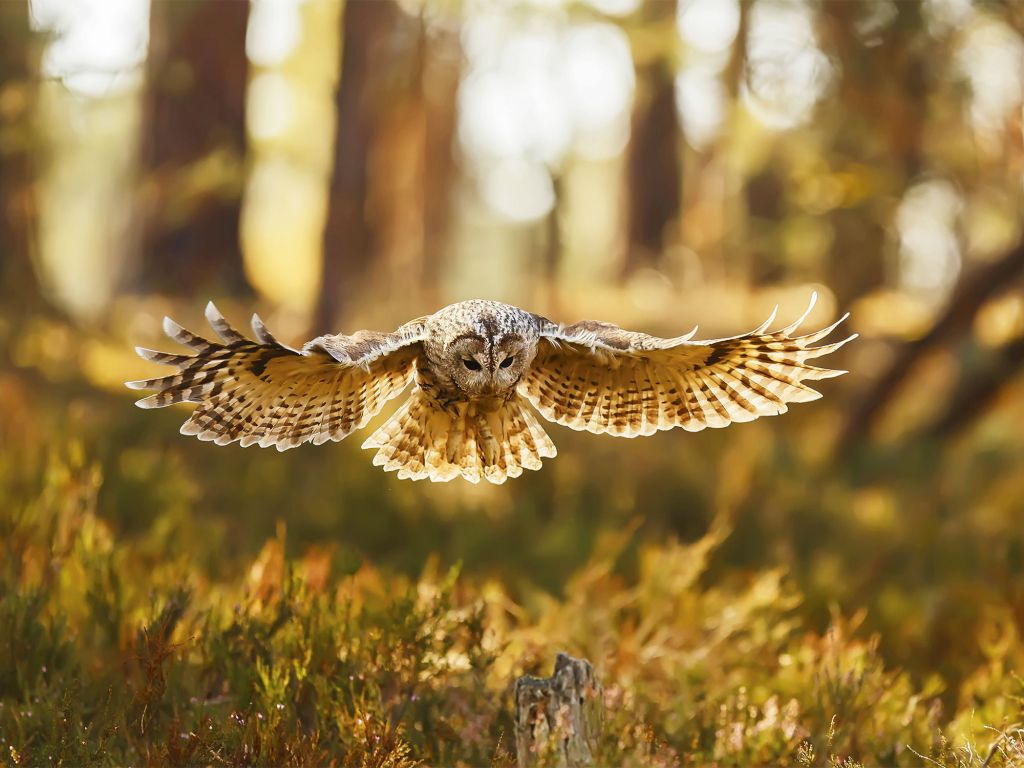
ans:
(262, 392)
(601, 378)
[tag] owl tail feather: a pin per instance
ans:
(424, 440)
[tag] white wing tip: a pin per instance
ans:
(791, 328)
(767, 323)
(839, 344)
(688, 336)
(170, 327)
(810, 306)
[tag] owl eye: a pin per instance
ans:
(506, 362)
(471, 364)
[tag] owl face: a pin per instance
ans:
(485, 347)
(487, 365)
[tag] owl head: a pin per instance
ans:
(486, 347)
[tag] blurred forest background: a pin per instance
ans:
(845, 582)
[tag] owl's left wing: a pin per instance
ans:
(263, 392)
(598, 377)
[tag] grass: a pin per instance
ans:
(114, 655)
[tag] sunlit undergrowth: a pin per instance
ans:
(122, 649)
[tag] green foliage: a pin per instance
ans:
(112, 654)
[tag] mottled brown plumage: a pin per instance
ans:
(476, 367)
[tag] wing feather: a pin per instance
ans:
(598, 377)
(263, 392)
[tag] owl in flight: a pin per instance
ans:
(477, 367)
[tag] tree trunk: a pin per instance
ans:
(654, 169)
(19, 51)
(978, 391)
(367, 59)
(559, 717)
(439, 91)
(389, 204)
(894, 79)
(972, 292)
(193, 151)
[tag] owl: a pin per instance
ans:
(480, 371)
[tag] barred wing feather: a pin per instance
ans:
(600, 378)
(265, 393)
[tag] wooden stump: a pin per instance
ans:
(558, 718)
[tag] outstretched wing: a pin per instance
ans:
(265, 393)
(598, 377)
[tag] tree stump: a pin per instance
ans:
(558, 718)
